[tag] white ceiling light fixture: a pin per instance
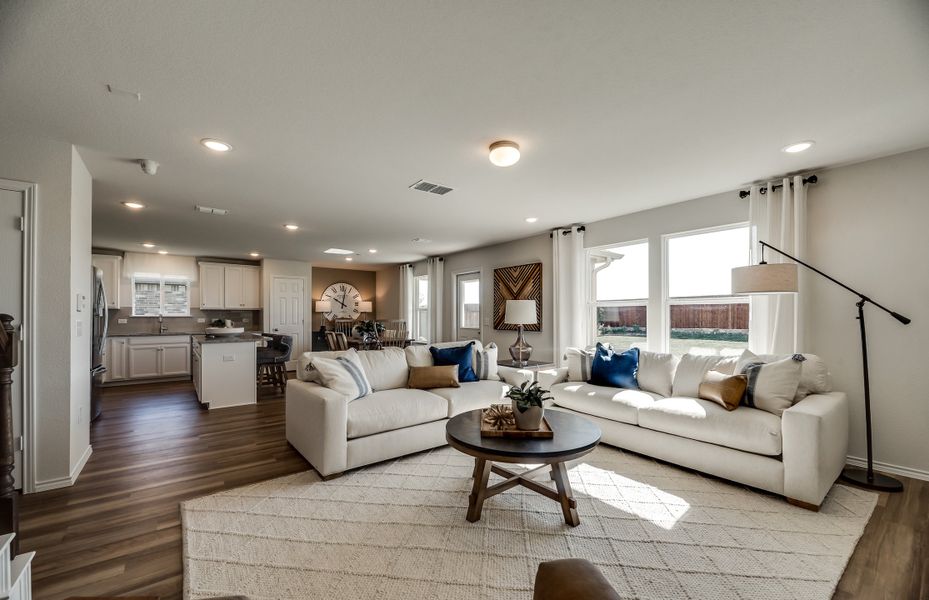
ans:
(338, 251)
(349, 258)
(254, 254)
(798, 146)
(162, 252)
(148, 245)
(133, 205)
(372, 250)
(504, 153)
(215, 145)
(291, 227)
(531, 219)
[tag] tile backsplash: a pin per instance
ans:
(136, 325)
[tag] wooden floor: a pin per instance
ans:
(117, 531)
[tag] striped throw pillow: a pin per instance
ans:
(343, 374)
(485, 362)
(579, 362)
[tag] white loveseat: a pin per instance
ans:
(798, 454)
(335, 434)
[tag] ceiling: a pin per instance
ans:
(335, 108)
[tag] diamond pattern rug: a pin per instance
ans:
(397, 530)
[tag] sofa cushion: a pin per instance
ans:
(656, 371)
(614, 369)
(418, 355)
(578, 361)
(460, 356)
(343, 374)
(470, 396)
(307, 372)
(393, 409)
(386, 369)
(747, 429)
(690, 373)
(428, 378)
(485, 363)
(814, 376)
(607, 402)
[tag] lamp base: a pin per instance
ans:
(878, 482)
(520, 350)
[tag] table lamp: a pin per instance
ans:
(520, 313)
(365, 307)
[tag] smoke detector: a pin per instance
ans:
(149, 167)
(433, 188)
(211, 211)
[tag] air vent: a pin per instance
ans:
(212, 211)
(433, 188)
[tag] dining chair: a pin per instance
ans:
(344, 326)
(336, 340)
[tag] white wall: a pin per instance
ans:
(867, 226)
(82, 324)
(47, 163)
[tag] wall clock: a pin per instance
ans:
(343, 299)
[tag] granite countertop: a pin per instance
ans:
(154, 334)
(248, 336)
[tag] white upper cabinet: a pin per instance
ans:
(230, 287)
(112, 271)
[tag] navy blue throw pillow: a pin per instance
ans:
(615, 370)
(459, 355)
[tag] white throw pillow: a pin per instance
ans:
(656, 372)
(772, 386)
(344, 374)
(814, 376)
(307, 372)
(418, 355)
(485, 363)
(579, 362)
(386, 369)
(690, 372)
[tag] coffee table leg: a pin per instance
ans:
(479, 489)
(565, 497)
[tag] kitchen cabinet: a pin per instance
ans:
(115, 360)
(224, 370)
(147, 357)
(144, 362)
(230, 287)
(175, 360)
(112, 267)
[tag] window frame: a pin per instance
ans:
(667, 301)
(590, 284)
(161, 281)
(420, 311)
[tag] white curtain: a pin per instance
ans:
(569, 298)
(406, 296)
(435, 269)
(778, 218)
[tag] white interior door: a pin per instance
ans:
(288, 304)
(11, 297)
(468, 305)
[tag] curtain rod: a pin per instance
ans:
(569, 229)
(764, 190)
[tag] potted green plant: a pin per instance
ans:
(528, 404)
(368, 330)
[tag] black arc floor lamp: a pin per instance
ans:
(781, 278)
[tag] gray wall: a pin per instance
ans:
(387, 293)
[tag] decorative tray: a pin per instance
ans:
(498, 421)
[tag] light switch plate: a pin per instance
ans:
(122, 321)
(201, 320)
(78, 328)
(228, 357)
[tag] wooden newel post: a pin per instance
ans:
(9, 497)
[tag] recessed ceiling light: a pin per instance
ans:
(419, 240)
(531, 219)
(162, 252)
(291, 227)
(338, 251)
(798, 147)
(216, 145)
(372, 250)
(148, 244)
(349, 258)
(504, 153)
(255, 254)
(133, 205)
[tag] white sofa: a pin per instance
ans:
(335, 434)
(798, 454)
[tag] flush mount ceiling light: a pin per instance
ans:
(338, 251)
(133, 205)
(372, 250)
(531, 219)
(504, 153)
(162, 252)
(148, 244)
(349, 258)
(798, 147)
(215, 145)
(255, 254)
(291, 227)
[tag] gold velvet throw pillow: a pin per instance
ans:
(427, 378)
(725, 390)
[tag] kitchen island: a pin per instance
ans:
(224, 369)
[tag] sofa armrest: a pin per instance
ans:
(549, 377)
(317, 425)
(814, 433)
(515, 377)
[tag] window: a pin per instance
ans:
(154, 295)
(469, 301)
(703, 318)
(421, 307)
(619, 294)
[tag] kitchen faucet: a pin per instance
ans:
(162, 328)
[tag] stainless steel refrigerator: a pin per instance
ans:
(98, 343)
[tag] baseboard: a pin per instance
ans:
(61, 482)
(889, 468)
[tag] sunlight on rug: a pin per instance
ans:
(398, 530)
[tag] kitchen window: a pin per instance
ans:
(618, 303)
(155, 295)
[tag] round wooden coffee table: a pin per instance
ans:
(574, 437)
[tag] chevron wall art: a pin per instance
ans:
(522, 282)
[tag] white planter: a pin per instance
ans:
(530, 420)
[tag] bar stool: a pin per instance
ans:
(272, 361)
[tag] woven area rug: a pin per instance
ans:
(398, 530)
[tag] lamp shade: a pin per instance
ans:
(777, 278)
(365, 306)
(520, 312)
(323, 306)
